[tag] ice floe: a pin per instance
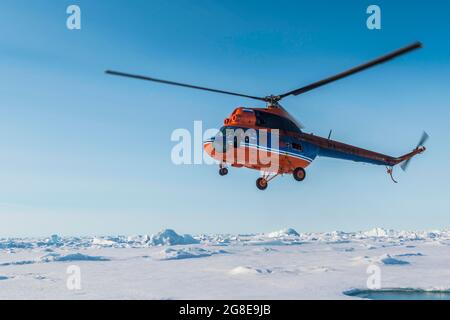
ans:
(187, 253)
(389, 260)
(249, 270)
(283, 264)
(55, 257)
(289, 232)
(170, 237)
(372, 239)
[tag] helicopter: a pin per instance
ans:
(254, 137)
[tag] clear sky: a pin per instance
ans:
(85, 153)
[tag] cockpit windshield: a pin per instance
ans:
(273, 121)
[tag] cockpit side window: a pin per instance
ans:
(297, 146)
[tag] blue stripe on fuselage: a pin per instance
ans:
(331, 153)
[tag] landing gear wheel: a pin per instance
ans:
(223, 171)
(299, 174)
(261, 184)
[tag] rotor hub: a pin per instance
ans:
(272, 101)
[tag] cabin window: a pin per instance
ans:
(297, 146)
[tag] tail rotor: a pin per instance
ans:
(421, 143)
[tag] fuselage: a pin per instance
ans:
(270, 139)
(261, 150)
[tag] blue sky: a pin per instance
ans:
(85, 153)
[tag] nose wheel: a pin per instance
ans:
(223, 171)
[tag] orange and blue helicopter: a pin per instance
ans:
(254, 137)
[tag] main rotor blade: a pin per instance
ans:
(357, 69)
(134, 76)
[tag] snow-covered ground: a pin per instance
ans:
(277, 265)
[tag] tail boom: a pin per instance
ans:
(339, 150)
